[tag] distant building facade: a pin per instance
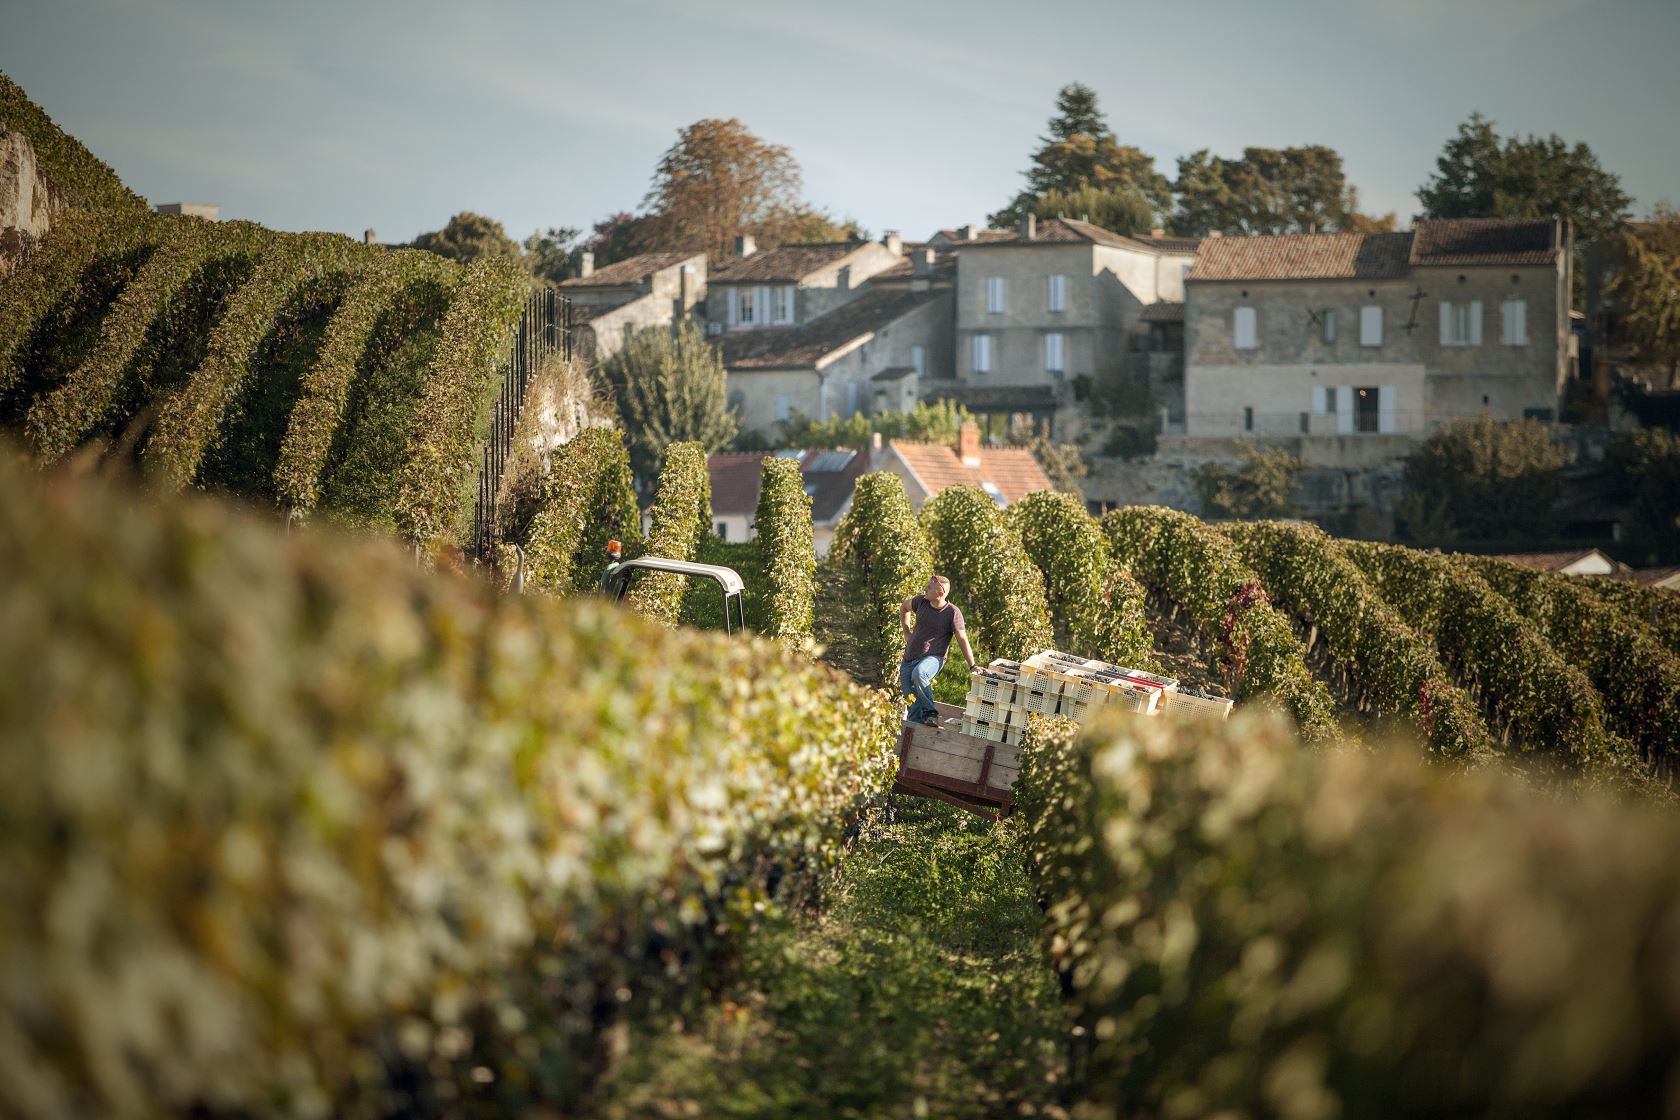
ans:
(649, 289)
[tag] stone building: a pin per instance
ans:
(1050, 303)
(791, 285)
(1380, 334)
(651, 289)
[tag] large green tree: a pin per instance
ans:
(1646, 468)
(551, 254)
(1081, 154)
(1482, 480)
(1259, 488)
(1482, 175)
(1646, 292)
(1124, 210)
(469, 236)
(670, 388)
(1266, 191)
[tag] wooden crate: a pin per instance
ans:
(1180, 706)
(964, 770)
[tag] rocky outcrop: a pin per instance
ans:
(29, 202)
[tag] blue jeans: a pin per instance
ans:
(915, 678)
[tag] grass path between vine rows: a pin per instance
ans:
(916, 989)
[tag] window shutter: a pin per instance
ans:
(1475, 322)
(1385, 408)
(1446, 323)
(782, 409)
(1242, 328)
(1344, 410)
(729, 296)
(982, 353)
(1319, 403)
(761, 305)
(1516, 325)
(994, 295)
(918, 358)
(851, 398)
(1370, 326)
(1330, 325)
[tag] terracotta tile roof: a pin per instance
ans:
(1066, 231)
(1484, 241)
(789, 263)
(1303, 256)
(981, 236)
(584, 313)
(1011, 470)
(632, 270)
(1556, 561)
(944, 268)
(1163, 311)
(829, 475)
(805, 346)
(1666, 579)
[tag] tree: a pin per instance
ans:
(1123, 210)
(717, 181)
(1267, 191)
(1081, 153)
(1646, 291)
(1357, 221)
(1063, 463)
(1646, 468)
(551, 254)
(618, 237)
(1482, 480)
(932, 423)
(468, 237)
(1480, 175)
(670, 388)
(1260, 488)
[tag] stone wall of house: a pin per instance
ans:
(29, 203)
(1502, 379)
(608, 330)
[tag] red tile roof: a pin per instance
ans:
(1556, 561)
(787, 263)
(829, 475)
(1066, 231)
(1013, 470)
(735, 478)
(1303, 256)
(1485, 241)
(627, 272)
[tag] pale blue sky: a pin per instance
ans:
(908, 115)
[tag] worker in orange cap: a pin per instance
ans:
(615, 557)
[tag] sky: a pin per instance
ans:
(911, 115)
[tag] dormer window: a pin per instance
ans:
(784, 304)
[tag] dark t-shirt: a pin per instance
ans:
(935, 626)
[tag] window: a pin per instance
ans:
(761, 305)
(1058, 293)
(1461, 323)
(994, 295)
(1330, 325)
(1243, 328)
(784, 303)
(1515, 316)
(1248, 418)
(992, 492)
(918, 358)
(982, 353)
(1370, 326)
(782, 409)
(1053, 353)
(1365, 409)
(851, 398)
(743, 304)
(722, 530)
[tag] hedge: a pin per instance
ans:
(975, 546)
(682, 513)
(69, 279)
(1656, 608)
(1200, 571)
(1250, 929)
(1636, 676)
(1548, 706)
(85, 180)
(787, 544)
(588, 499)
(446, 432)
(189, 420)
(1096, 608)
(385, 303)
(1393, 671)
(883, 554)
(146, 323)
(292, 828)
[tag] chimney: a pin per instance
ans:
(369, 237)
(921, 262)
(1029, 227)
(1157, 233)
(1214, 233)
(968, 445)
(745, 246)
(586, 264)
(894, 243)
(965, 233)
(685, 287)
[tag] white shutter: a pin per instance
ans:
(918, 359)
(1370, 326)
(1475, 322)
(761, 305)
(1385, 408)
(1330, 325)
(1058, 293)
(782, 408)
(1446, 323)
(1516, 322)
(1344, 409)
(982, 353)
(851, 398)
(994, 295)
(729, 295)
(1243, 328)
(1320, 404)
(1053, 353)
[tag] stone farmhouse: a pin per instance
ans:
(651, 289)
(1355, 334)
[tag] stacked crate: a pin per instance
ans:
(1003, 694)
